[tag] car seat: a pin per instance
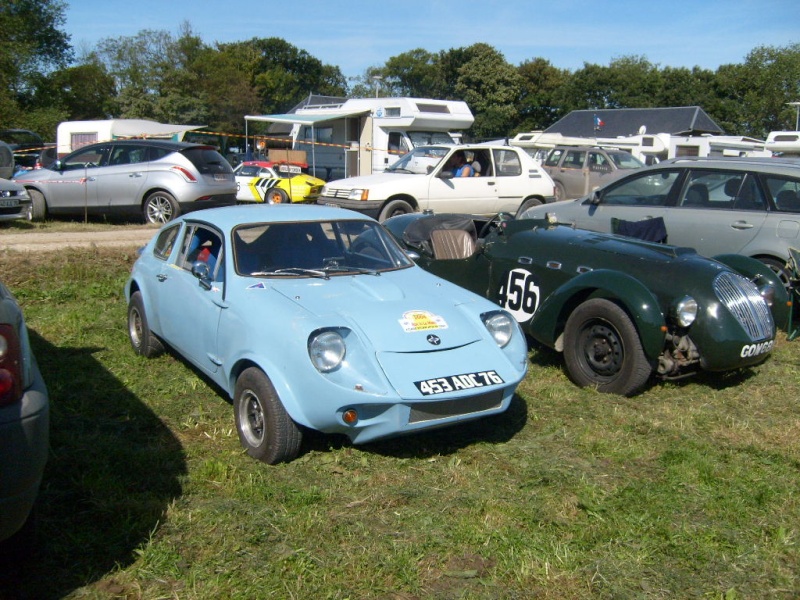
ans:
(787, 200)
(696, 195)
(451, 244)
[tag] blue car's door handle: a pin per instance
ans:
(161, 277)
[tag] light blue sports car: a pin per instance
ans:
(313, 316)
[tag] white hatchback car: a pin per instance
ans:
(504, 179)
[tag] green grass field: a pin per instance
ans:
(690, 490)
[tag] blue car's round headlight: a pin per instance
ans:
(500, 326)
(326, 350)
(686, 311)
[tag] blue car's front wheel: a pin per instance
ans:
(266, 430)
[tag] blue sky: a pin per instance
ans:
(357, 34)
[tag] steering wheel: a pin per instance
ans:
(494, 223)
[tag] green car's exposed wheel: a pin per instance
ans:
(602, 349)
(265, 429)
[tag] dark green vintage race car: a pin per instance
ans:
(620, 309)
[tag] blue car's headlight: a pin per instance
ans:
(326, 350)
(500, 326)
(686, 311)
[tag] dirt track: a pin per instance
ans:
(42, 242)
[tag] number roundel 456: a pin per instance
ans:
(519, 294)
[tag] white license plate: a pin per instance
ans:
(453, 383)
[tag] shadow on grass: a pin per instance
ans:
(496, 429)
(113, 470)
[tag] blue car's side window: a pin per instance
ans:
(166, 242)
(204, 245)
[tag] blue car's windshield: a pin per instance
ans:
(315, 249)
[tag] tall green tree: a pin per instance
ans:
(491, 87)
(767, 81)
(537, 105)
(32, 44)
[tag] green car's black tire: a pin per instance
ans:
(602, 349)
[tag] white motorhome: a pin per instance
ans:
(71, 135)
(649, 148)
(361, 136)
(785, 143)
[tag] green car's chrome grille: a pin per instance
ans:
(743, 300)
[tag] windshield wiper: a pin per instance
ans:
(345, 269)
(291, 271)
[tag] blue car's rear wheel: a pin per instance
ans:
(602, 349)
(143, 341)
(266, 430)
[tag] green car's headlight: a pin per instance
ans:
(768, 293)
(327, 350)
(686, 311)
(500, 326)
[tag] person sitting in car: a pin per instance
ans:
(458, 165)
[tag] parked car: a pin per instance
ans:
(155, 179)
(577, 170)
(507, 179)
(275, 182)
(15, 202)
(748, 206)
(310, 316)
(35, 158)
(24, 425)
(6, 161)
(621, 310)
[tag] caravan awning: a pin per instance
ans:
(305, 119)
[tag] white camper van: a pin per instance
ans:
(71, 135)
(648, 148)
(784, 143)
(361, 136)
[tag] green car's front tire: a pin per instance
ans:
(602, 349)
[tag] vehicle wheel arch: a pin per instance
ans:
(529, 202)
(410, 200)
(775, 262)
(159, 189)
(38, 213)
(280, 383)
(550, 320)
(406, 197)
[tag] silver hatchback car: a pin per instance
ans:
(156, 179)
(748, 206)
